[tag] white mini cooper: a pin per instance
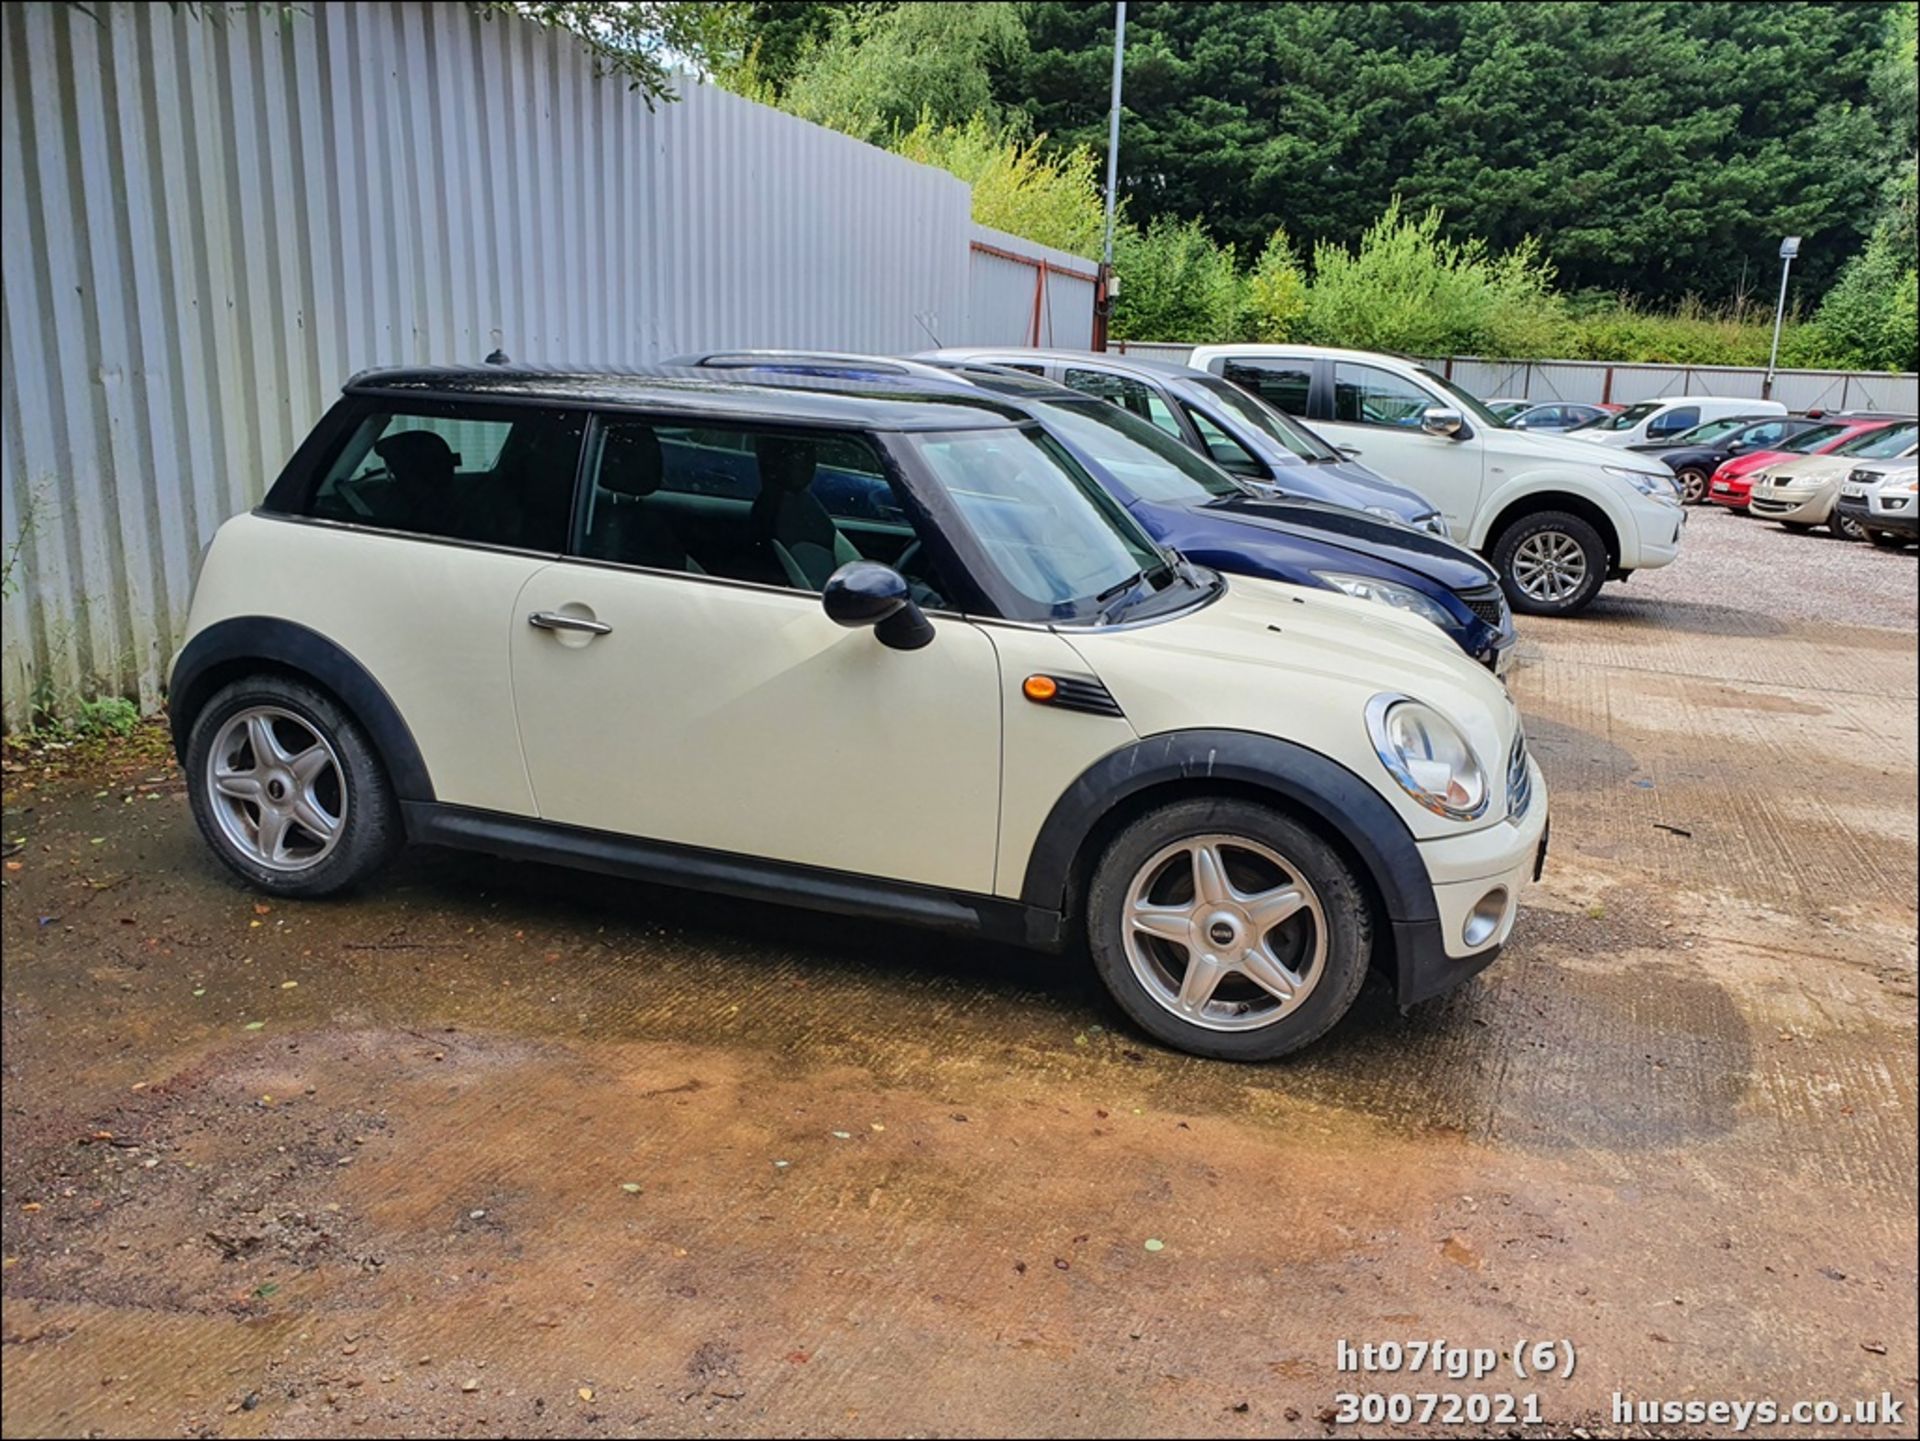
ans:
(889, 655)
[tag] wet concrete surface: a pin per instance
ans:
(504, 1148)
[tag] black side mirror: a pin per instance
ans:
(1736, 447)
(865, 592)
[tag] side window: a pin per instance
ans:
(1363, 395)
(1131, 395)
(1226, 452)
(1675, 421)
(774, 508)
(1765, 435)
(494, 476)
(1283, 384)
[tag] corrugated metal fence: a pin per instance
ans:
(1596, 380)
(213, 216)
(1586, 380)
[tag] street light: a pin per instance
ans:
(1109, 283)
(1789, 248)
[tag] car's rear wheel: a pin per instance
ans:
(1228, 929)
(1551, 563)
(287, 789)
(1693, 484)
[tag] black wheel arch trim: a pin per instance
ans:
(285, 645)
(1362, 818)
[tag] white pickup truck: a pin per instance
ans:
(1557, 516)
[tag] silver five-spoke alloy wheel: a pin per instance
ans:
(277, 789)
(1550, 566)
(1224, 932)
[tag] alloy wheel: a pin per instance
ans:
(277, 788)
(1224, 933)
(1693, 485)
(1550, 567)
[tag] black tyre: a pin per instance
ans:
(1551, 563)
(1846, 527)
(287, 789)
(1693, 484)
(1227, 929)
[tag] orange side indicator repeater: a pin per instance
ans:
(1039, 688)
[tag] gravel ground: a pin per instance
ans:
(1730, 559)
(496, 1148)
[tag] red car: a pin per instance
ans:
(1733, 481)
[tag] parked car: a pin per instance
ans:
(1187, 503)
(506, 609)
(1800, 494)
(1884, 502)
(1732, 483)
(1556, 516)
(1696, 455)
(1672, 417)
(1556, 415)
(1238, 432)
(1506, 409)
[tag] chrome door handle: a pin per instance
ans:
(553, 620)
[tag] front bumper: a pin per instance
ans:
(1658, 528)
(1905, 521)
(1734, 493)
(1796, 507)
(1493, 865)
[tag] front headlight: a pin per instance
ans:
(1386, 592)
(1426, 753)
(1658, 485)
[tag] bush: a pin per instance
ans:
(1175, 284)
(1051, 199)
(1276, 305)
(1408, 289)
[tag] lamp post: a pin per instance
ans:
(1109, 286)
(1789, 248)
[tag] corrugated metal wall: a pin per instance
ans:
(1045, 297)
(212, 217)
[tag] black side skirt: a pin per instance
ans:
(839, 892)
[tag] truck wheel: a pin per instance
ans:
(1227, 929)
(1551, 563)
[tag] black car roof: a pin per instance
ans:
(798, 399)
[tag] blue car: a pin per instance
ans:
(1193, 506)
(1238, 431)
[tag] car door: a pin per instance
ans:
(676, 679)
(1375, 417)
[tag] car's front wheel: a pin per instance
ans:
(1551, 563)
(287, 789)
(1693, 484)
(1846, 527)
(1228, 929)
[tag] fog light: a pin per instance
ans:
(1485, 918)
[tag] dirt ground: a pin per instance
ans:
(498, 1147)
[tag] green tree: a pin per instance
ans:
(1653, 146)
(1018, 185)
(880, 72)
(642, 41)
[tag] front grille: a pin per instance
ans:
(1519, 779)
(1490, 605)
